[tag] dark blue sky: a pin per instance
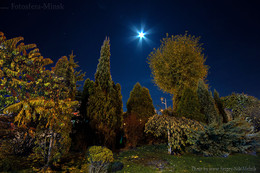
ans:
(229, 31)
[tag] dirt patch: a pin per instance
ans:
(160, 164)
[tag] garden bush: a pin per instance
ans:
(134, 130)
(179, 130)
(99, 158)
(234, 136)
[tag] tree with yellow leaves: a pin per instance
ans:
(65, 69)
(177, 64)
(42, 98)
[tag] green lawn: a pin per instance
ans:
(155, 159)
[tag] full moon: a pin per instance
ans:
(141, 35)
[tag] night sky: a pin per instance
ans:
(229, 32)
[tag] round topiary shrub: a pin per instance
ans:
(99, 158)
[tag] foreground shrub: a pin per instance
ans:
(100, 159)
(234, 136)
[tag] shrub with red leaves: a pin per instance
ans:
(134, 130)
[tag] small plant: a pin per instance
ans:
(99, 158)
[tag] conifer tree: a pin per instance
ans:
(207, 104)
(87, 91)
(103, 75)
(220, 107)
(83, 136)
(232, 137)
(105, 104)
(189, 106)
(66, 69)
(139, 109)
(117, 101)
(140, 102)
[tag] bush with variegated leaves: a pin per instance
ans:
(99, 158)
(180, 130)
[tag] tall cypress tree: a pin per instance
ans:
(140, 102)
(207, 104)
(103, 77)
(105, 104)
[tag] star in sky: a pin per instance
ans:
(141, 34)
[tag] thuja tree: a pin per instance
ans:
(220, 107)
(140, 102)
(105, 104)
(207, 104)
(178, 63)
(189, 106)
(42, 100)
(139, 109)
(181, 130)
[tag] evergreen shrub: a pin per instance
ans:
(235, 136)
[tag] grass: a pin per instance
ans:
(155, 159)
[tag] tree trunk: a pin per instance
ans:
(50, 148)
(169, 144)
(45, 157)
